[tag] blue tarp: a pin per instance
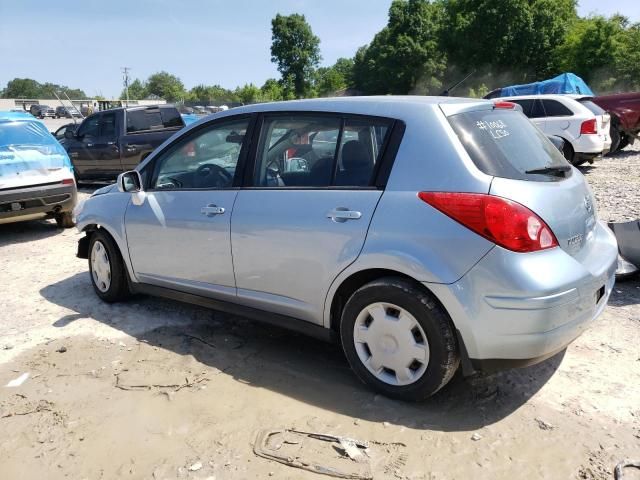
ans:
(564, 83)
(26, 144)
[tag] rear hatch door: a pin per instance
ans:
(529, 169)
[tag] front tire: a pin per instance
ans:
(108, 274)
(398, 339)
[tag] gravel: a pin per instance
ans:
(615, 181)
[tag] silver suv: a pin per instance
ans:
(421, 233)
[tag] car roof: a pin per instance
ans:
(397, 106)
(13, 116)
(551, 96)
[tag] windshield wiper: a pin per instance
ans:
(552, 170)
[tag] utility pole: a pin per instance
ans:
(125, 74)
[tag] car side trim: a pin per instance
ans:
(283, 321)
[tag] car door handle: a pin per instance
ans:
(342, 214)
(211, 210)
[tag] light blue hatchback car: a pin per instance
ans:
(421, 233)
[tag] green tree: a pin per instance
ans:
(21, 87)
(271, 90)
(516, 36)
(405, 56)
(592, 47)
(344, 66)
(137, 91)
(627, 59)
(29, 88)
(248, 93)
(329, 81)
(211, 93)
(165, 86)
(295, 50)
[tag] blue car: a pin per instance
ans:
(36, 176)
(420, 233)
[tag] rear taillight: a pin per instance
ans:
(589, 127)
(68, 181)
(499, 220)
(503, 104)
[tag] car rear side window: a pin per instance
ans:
(503, 143)
(553, 108)
(152, 119)
(171, 118)
(319, 151)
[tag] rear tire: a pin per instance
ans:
(385, 348)
(614, 133)
(567, 152)
(107, 270)
(624, 141)
(65, 220)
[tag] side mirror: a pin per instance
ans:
(69, 134)
(130, 181)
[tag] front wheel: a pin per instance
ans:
(108, 274)
(398, 339)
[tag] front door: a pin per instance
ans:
(82, 148)
(179, 236)
(307, 215)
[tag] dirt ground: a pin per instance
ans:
(158, 389)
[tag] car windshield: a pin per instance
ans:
(504, 143)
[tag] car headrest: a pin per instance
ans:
(355, 155)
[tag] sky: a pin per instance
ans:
(84, 43)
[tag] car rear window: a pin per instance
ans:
(595, 109)
(504, 143)
(153, 119)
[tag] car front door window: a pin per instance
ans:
(205, 160)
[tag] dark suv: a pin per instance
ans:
(110, 142)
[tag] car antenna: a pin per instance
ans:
(446, 92)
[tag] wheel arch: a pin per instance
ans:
(357, 279)
(83, 246)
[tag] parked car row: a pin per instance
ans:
(582, 124)
(623, 108)
(421, 234)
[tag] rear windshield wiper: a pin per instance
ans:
(552, 170)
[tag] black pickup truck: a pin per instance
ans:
(110, 142)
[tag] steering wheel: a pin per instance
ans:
(212, 175)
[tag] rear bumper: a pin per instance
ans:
(35, 202)
(518, 309)
(590, 145)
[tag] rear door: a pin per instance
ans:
(532, 108)
(305, 215)
(558, 119)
